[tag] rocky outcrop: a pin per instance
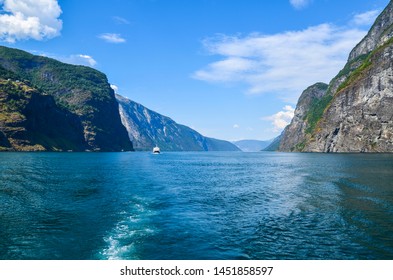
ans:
(296, 133)
(379, 34)
(147, 128)
(31, 121)
(66, 107)
(354, 114)
(360, 117)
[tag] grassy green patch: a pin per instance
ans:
(316, 111)
(355, 75)
(300, 146)
(361, 70)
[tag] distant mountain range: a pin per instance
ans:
(147, 128)
(47, 105)
(252, 145)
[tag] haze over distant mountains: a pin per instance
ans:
(252, 145)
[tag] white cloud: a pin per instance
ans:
(81, 59)
(120, 20)
(76, 59)
(299, 4)
(236, 126)
(29, 19)
(283, 63)
(281, 119)
(112, 38)
(230, 69)
(366, 18)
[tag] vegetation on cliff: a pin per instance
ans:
(82, 94)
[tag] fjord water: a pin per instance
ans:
(199, 205)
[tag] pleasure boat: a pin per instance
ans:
(156, 150)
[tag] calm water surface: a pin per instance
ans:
(196, 206)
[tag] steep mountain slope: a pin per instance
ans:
(30, 121)
(147, 128)
(275, 144)
(296, 133)
(355, 112)
(60, 106)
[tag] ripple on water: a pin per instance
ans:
(195, 206)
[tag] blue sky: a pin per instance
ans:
(229, 69)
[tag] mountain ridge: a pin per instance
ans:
(47, 105)
(147, 128)
(82, 94)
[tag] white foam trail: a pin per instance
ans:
(133, 228)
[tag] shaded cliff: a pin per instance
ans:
(147, 128)
(354, 113)
(31, 121)
(59, 106)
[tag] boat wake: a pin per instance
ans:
(129, 234)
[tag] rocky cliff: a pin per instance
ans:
(47, 105)
(31, 121)
(354, 113)
(147, 128)
(296, 133)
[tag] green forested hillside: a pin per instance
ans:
(81, 95)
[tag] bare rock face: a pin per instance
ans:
(355, 113)
(147, 128)
(360, 118)
(379, 33)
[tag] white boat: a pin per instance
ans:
(156, 150)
